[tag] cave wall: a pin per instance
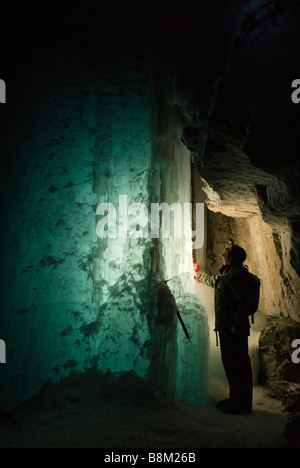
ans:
(243, 133)
(99, 105)
(242, 128)
(280, 283)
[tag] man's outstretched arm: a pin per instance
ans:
(207, 279)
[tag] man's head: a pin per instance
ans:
(234, 255)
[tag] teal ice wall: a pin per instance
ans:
(69, 300)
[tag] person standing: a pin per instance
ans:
(232, 299)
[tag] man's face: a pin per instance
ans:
(227, 255)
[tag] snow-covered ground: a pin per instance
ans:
(103, 411)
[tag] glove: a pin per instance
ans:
(196, 268)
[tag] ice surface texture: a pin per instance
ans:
(69, 300)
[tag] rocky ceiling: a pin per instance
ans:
(240, 121)
(231, 65)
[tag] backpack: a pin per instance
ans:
(254, 285)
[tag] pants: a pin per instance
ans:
(237, 365)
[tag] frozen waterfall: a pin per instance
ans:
(73, 300)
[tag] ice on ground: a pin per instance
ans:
(115, 411)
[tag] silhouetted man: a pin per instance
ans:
(232, 297)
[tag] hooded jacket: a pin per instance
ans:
(232, 298)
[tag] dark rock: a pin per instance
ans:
(292, 429)
(277, 369)
(287, 392)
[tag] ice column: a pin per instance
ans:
(172, 176)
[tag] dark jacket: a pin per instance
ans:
(232, 297)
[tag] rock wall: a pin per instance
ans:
(242, 130)
(241, 126)
(277, 369)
